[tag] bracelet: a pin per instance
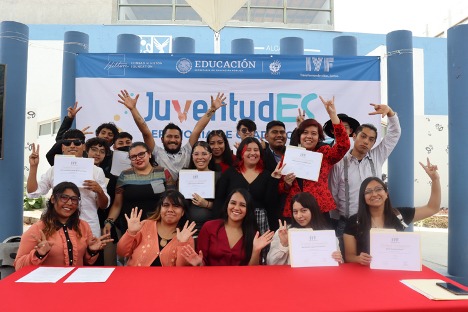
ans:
(92, 253)
(109, 220)
(185, 112)
(41, 256)
(207, 204)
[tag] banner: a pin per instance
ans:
(177, 88)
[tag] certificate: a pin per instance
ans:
(395, 251)
(308, 248)
(120, 162)
(73, 169)
(90, 275)
(303, 163)
(194, 181)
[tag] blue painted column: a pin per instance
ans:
(242, 46)
(401, 100)
(74, 42)
(183, 45)
(128, 43)
(292, 46)
(345, 46)
(14, 39)
(457, 67)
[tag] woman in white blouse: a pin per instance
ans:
(305, 214)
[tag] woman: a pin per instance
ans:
(376, 211)
(201, 209)
(140, 186)
(60, 237)
(221, 150)
(305, 214)
(310, 135)
(157, 241)
(232, 240)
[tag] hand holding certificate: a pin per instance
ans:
(308, 248)
(304, 164)
(199, 182)
(73, 169)
(120, 162)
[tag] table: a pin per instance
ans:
(349, 287)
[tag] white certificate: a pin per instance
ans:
(303, 163)
(45, 275)
(395, 251)
(194, 181)
(73, 169)
(120, 162)
(308, 248)
(90, 275)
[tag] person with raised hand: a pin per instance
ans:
(232, 240)
(305, 214)
(376, 211)
(157, 241)
(60, 237)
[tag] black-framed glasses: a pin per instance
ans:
(377, 189)
(64, 198)
(139, 156)
(245, 130)
(75, 142)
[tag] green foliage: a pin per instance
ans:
(440, 222)
(31, 204)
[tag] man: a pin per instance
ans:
(173, 156)
(123, 139)
(93, 192)
(246, 128)
(97, 149)
(359, 163)
(349, 123)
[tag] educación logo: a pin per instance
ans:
(183, 65)
(275, 66)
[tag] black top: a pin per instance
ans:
(157, 261)
(363, 241)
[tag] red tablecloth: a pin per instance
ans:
(349, 287)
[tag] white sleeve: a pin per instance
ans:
(385, 148)
(100, 178)
(44, 185)
(278, 254)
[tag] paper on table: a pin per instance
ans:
(45, 275)
(120, 162)
(90, 275)
(303, 163)
(73, 169)
(429, 289)
(308, 248)
(194, 181)
(395, 251)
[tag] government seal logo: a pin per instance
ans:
(183, 65)
(275, 66)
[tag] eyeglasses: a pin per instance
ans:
(139, 155)
(75, 142)
(64, 198)
(377, 189)
(245, 130)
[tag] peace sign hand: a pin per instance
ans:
(431, 170)
(277, 174)
(43, 246)
(191, 256)
(86, 132)
(72, 111)
(34, 157)
(283, 233)
(300, 118)
(127, 100)
(187, 232)
(134, 224)
(218, 102)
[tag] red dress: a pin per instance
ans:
(331, 155)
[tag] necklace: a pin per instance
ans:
(164, 240)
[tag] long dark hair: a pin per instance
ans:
(175, 198)
(152, 161)
(239, 164)
(211, 164)
(249, 223)
(50, 216)
(227, 154)
(307, 200)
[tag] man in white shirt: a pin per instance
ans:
(93, 192)
(173, 156)
(359, 163)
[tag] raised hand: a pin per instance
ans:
(261, 242)
(181, 116)
(127, 100)
(329, 106)
(262, 143)
(301, 117)
(236, 145)
(73, 110)
(98, 243)
(34, 157)
(283, 233)
(187, 232)
(431, 170)
(381, 109)
(86, 132)
(133, 223)
(218, 102)
(92, 186)
(277, 174)
(43, 246)
(365, 259)
(191, 256)
(337, 256)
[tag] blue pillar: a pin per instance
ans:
(292, 46)
(242, 46)
(345, 46)
(14, 38)
(401, 100)
(128, 43)
(457, 66)
(183, 45)
(74, 42)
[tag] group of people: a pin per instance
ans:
(141, 217)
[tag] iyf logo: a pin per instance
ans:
(155, 44)
(183, 65)
(312, 238)
(394, 239)
(275, 67)
(318, 62)
(302, 155)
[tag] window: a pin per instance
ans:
(49, 128)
